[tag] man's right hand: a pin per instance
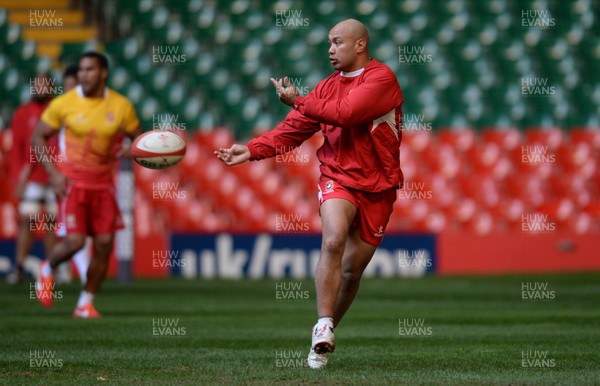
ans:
(59, 184)
(235, 155)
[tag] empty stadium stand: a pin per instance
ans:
(478, 150)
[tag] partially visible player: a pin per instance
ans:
(93, 115)
(32, 186)
(70, 78)
(358, 109)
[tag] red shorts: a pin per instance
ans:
(373, 210)
(89, 212)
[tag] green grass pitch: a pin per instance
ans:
(458, 330)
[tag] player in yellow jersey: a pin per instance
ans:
(92, 116)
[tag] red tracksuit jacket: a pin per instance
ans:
(360, 117)
(22, 125)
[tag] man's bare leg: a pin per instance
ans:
(96, 273)
(337, 216)
(24, 243)
(49, 240)
(357, 256)
(65, 249)
(103, 245)
(62, 251)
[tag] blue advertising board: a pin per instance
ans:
(265, 256)
(295, 256)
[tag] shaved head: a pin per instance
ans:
(349, 45)
(353, 29)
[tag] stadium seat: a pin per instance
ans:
(213, 171)
(461, 139)
(443, 159)
(551, 137)
(444, 192)
(435, 221)
(270, 188)
(482, 223)
(593, 210)
(507, 138)
(528, 187)
(215, 139)
(9, 216)
(510, 209)
(289, 195)
(417, 140)
(191, 216)
(462, 210)
(408, 162)
(484, 157)
(560, 210)
(534, 159)
(482, 188)
(245, 199)
(195, 155)
(578, 157)
(573, 187)
(590, 136)
(216, 222)
(582, 223)
(144, 178)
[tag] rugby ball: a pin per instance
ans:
(158, 149)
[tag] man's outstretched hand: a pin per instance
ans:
(286, 94)
(235, 155)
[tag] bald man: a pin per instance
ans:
(358, 109)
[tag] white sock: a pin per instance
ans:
(63, 272)
(46, 270)
(82, 262)
(85, 298)
(326, 320)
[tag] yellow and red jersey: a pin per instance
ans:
(90, 128)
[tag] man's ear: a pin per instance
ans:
(105, 74)
(361, 45)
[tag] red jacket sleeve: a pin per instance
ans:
(289, 134)
(20, 143)
(376, 96)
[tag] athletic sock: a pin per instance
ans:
(82, 263)
(326, 320)
(85, 298)
(46, 270)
